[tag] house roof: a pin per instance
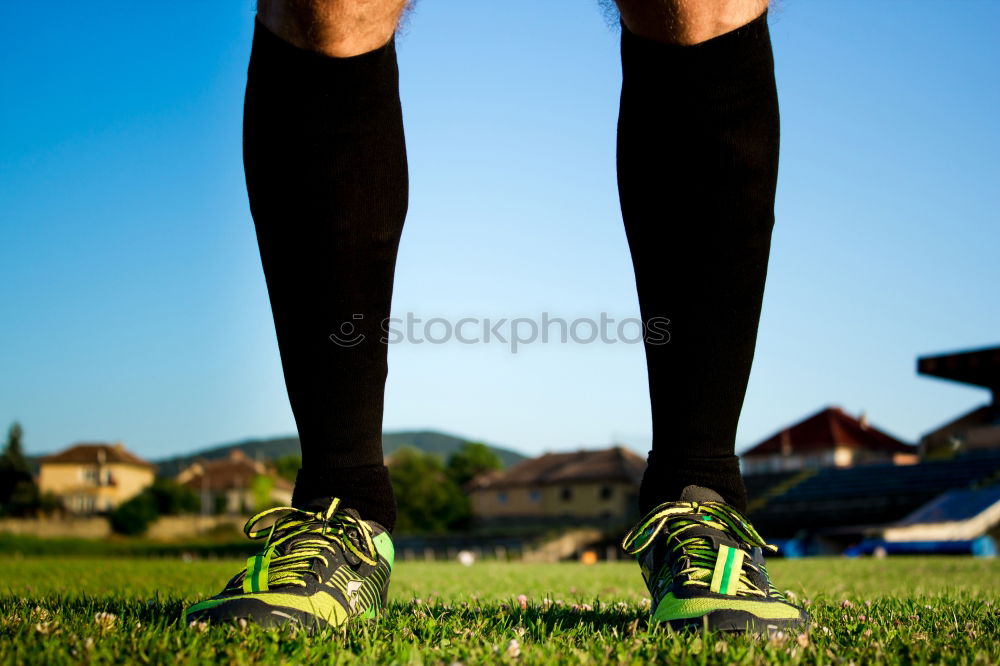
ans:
(614, 464)
(95, 454)
(235, 472)
(825, 430)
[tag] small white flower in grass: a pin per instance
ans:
(522, 601)
(106, 621)
(242, 622)
(779, 636)
(519, 631)
(802, 640)
(645, 602)
(199, 626)
(846, 604)
(513, 649)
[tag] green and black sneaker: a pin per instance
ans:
(704, 566)
(321, 567)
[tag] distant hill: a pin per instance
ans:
(428, 441)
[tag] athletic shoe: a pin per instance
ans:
(703, 564)
(320, 567)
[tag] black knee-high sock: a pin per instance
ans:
(326, 172)
(697, 167)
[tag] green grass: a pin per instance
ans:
(900, 610)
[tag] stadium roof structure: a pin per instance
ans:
(828, 428)
(96, 454)
(978, 367)
(614, 464)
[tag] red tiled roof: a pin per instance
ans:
(94, 454)
(827, 429)
(614, 464)
(236, 472)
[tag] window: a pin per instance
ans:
(607, 492)
(566, 494)
(501, 497)
(534, 495)
(89, 475)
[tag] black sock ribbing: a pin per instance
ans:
(697, 166)
(326, 173)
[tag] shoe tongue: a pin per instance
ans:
(321, 504)
(318, 505)
(700, 495)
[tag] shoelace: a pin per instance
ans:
(298, 537)
(676, 518)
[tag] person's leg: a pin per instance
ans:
(697, 165)
(326, 174)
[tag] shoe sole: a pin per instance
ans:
(735, 621)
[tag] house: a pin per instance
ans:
(582, 487)
(828, 438)
(94, 478)
(235, 484)
(976, 429)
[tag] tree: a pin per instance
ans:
(261, 486)
(288, 466)
(134, 516)
(471, 459)
(19, 494)
(428, 498)
(164, 497)
(173, 499)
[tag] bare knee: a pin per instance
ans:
(339, 28)
(687, 21)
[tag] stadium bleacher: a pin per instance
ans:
(854, 499)
(954, 506)
(758, 485)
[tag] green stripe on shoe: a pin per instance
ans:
(257, 570)
(728, 567)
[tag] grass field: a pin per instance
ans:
(900, 610)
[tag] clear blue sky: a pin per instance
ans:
(133, 306)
